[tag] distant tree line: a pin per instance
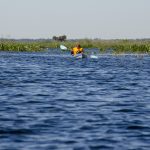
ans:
(60, 38)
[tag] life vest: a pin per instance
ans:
(76, 50)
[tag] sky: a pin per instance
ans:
(104, 19)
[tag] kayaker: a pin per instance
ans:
(77, 50)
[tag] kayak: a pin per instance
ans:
(81, 56)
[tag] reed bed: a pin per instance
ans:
(104, 46)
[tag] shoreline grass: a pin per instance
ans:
(110, 46)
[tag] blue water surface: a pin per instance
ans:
(52, 101)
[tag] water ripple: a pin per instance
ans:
(53, 101)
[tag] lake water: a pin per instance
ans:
(51, 101)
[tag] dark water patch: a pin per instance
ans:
(16, 131)
(125, 110)
(138, 127)
(19, 95)
(102, 147)
(81, 148)
(86, 127)
(42, 95)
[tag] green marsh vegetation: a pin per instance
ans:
(113, 46)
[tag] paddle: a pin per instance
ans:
(62, 47)
(93, 56)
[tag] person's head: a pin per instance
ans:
(78, 46)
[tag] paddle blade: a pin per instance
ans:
(63, 47)
(94, 56)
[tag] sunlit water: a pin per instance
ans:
(51, 101)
